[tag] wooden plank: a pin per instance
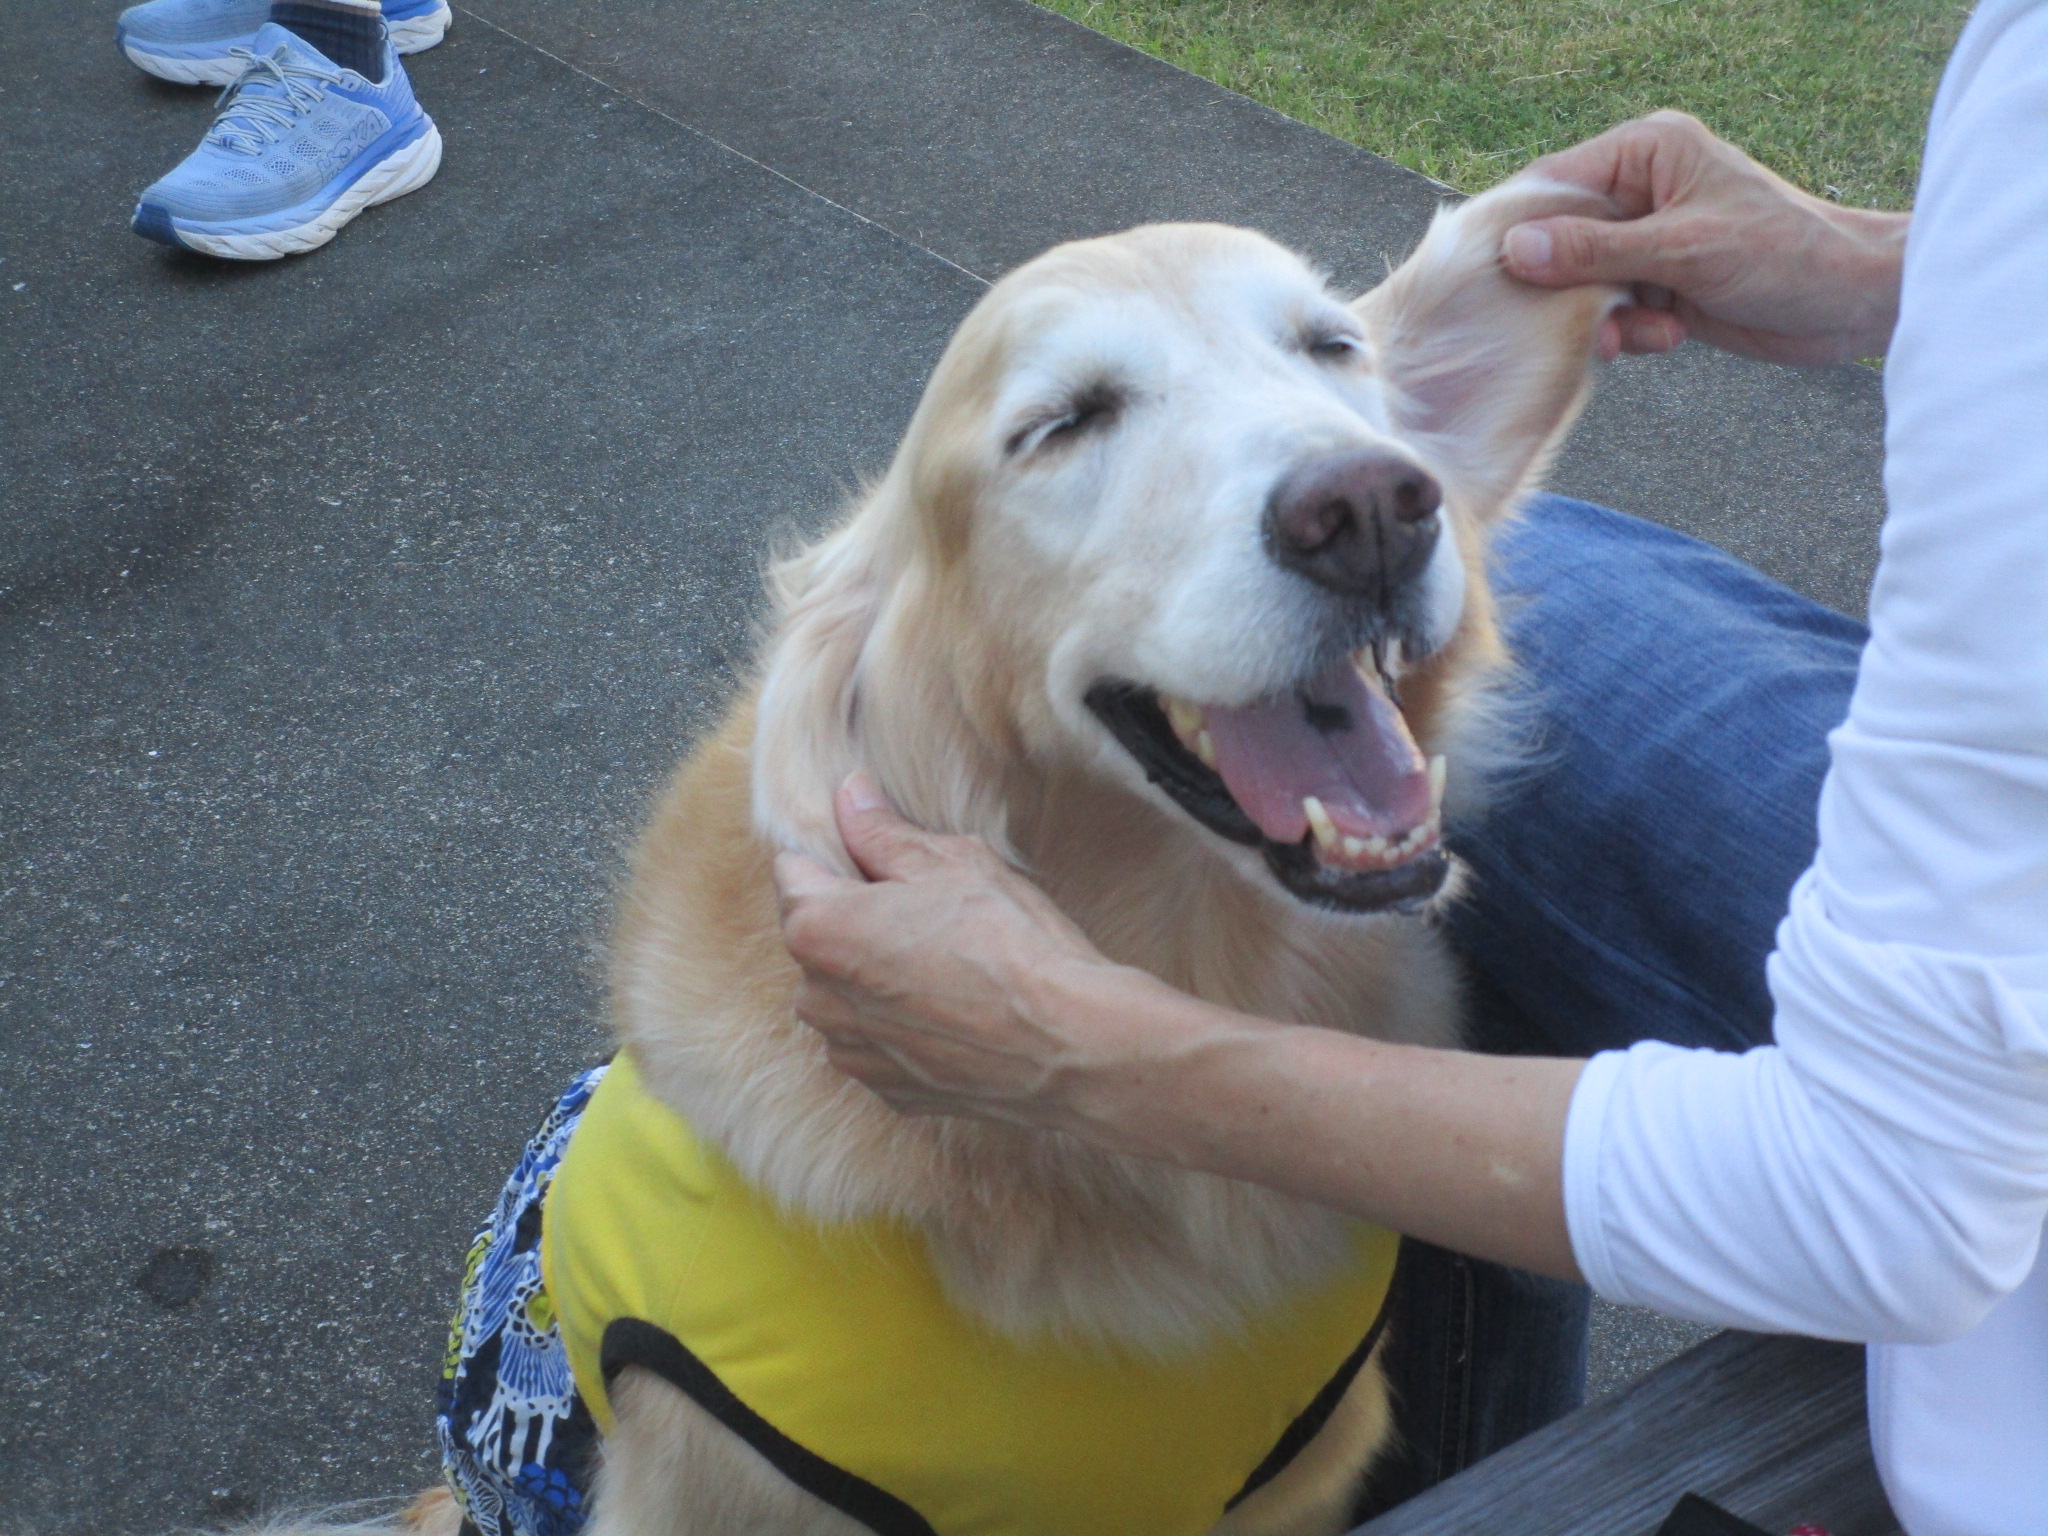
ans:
(1771, 1428)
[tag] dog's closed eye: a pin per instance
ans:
(1333, 346)
(1089, 409)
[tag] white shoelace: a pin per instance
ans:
(248, 123)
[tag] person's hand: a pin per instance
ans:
(951, 985)
(945, 981)
(1715, 247)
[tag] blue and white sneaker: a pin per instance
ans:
(192, 42)
(300, 148)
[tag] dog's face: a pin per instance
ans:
(1191, 491)
(1174, 514)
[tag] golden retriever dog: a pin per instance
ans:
(1176, 594)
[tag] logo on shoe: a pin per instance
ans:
(359, 138)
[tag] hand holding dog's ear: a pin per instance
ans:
(1485, 374)
(1713, 245)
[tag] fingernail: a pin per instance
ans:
(1528, 247)
(863, 793)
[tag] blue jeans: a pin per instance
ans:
(1628, 885)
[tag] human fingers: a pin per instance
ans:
(828, 924)
(858, 1041)
(798, 875)
(884, 1075)
(889, 848)
(1566, 251)
(949, 1065)
(885, 845)
(803, 887)
(1645, 331)
(1635, 165)
(911, 1085)
(869, 1064)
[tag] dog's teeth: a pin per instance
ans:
(1353, 848)
(1381, 667)
(1376, 845)
(1438, 771)
(1319, 822)
(1185, 719)
(1205, 747)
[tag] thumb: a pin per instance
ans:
(1564, 252)
(883, 844)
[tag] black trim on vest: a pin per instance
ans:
(1312, 1418)
(630, 1341)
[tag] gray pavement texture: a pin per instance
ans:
(351, 607)
(1628, 1343)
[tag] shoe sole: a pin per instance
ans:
(416, 34)
(419, 33)
(404, 170)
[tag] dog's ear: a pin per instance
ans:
(1485, 373)
(827, 597)
(859, 675)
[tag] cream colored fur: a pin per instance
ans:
(941, 639)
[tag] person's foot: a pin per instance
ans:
(192, 42)
(300, 148)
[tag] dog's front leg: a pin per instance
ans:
(671, 1469)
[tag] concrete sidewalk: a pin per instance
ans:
(350, 608)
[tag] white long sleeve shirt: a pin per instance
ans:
(1881, 1172)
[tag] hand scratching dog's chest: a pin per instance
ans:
(835, 1353)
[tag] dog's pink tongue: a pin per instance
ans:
(1340, 739)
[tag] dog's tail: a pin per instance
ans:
(433, 1513)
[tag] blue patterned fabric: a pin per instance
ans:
(517, 1443)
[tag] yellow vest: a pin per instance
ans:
(833, 1351)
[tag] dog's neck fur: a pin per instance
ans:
(1177, 907)
(1035, 1232)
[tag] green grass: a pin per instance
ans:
(1832, 94)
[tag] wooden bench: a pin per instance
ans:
(1770, 1428)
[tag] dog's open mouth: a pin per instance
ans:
(1326, 781)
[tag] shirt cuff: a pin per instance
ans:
(1585, 1129)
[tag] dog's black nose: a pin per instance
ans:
(1363, 524)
